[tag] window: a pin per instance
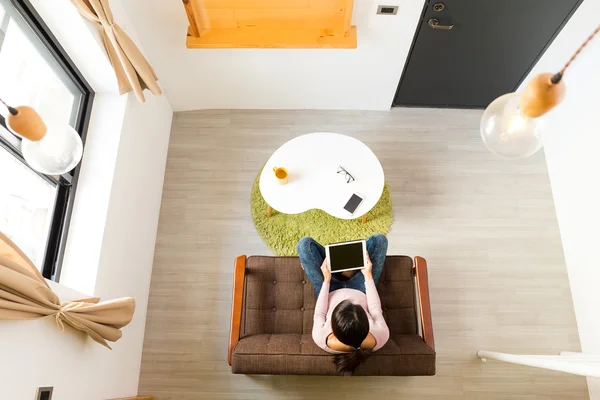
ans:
(35, 71)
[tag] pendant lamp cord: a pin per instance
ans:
(558, 76)
(11, 110)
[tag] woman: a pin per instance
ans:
(348, 320)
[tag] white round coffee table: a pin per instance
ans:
(312, 162)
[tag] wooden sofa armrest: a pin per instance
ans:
(424, 302)
(239, 276)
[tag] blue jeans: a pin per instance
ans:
(312, 254)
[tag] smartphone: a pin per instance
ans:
(353, 203)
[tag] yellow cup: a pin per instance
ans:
(281, 174)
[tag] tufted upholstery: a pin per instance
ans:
(277, 318)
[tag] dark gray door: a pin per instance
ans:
(468, 52)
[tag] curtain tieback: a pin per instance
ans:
(66, 307)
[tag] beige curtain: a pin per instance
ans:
(25, 294)
(131, 67)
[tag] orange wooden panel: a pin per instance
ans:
(287, 14)
(348, 9)
(199, 15)
(236, 4)
(297, 19)
(298, 24)
(328, 4)
(269, 23)
(219, 19)
(273, 38)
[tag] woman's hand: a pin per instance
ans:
(368, 269)
(326, 272)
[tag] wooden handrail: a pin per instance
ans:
(189, 10)
(424, 301)
(239, 275)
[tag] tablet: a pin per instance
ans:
(346, 256)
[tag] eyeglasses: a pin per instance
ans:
(349, 178)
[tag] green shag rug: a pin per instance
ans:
(281, 232)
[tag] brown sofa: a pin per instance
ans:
(272, 318)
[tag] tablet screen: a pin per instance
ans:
(346, 256)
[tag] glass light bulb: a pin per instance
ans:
(507, 132)
(56, 153)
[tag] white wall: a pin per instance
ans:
(84, 241)
(127, 256)
(572, 145)
(360, 79)
(110, 248)
(36, 353)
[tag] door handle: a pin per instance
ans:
(435, 24)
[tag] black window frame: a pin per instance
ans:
(66, 184)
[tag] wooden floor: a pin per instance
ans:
(486, 226)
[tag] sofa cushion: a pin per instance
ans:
(279, 299)
(297, 354)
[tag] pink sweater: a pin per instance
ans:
(328, 301)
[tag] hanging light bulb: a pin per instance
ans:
(58, 152)
(511, 127)
(52, 150)
(507, 132)
(511, 124)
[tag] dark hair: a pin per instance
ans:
(350, 326)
